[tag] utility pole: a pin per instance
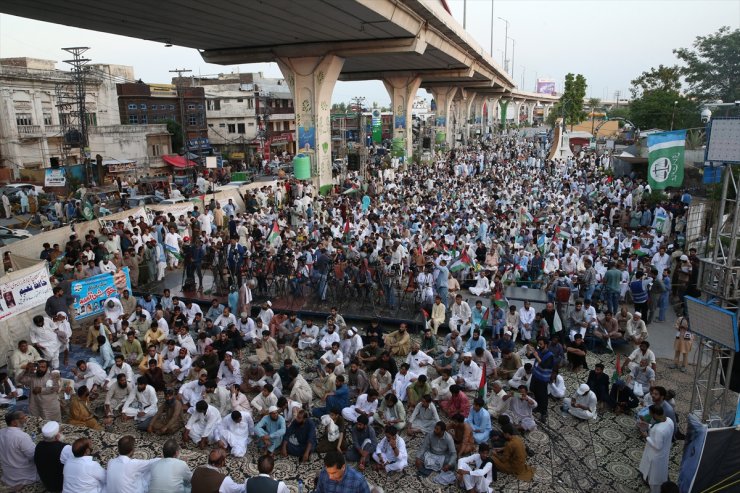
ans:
(506, 45)
(513, 48)
(181, 97)
(465, 13)
(492, 16)
(79, 72)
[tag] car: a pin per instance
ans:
(25, 186)
(177, 200)
(141, 200)
(5, 231)
(8, 239)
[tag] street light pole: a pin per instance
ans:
(492, 28)
(465, 13)
(513, 48)
(506, 45)
(673, 114)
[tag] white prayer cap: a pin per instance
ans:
(583, 389)
(273, 409)
(50, 429)
(351, 332)
(467, 354)
(451, 350)
(684, 258)
(638, 314)
(228, 353)
(507, 333)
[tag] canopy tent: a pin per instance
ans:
(179, 161)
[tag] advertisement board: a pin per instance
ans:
(545, 86)
(55, 177)
(90, 294)
(24, 290)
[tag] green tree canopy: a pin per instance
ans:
(660, 108)
(657, 79)
(175, 130)
(712, 66)
(574, 90)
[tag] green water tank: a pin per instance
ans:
(441, 138)
(398, 147)
(302, 167)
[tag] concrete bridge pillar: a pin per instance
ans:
(470, 104)
(443, 97)
(311, 81)
(530, 111)
(402, 91)
(493, 111)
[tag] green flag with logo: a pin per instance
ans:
(666, 159)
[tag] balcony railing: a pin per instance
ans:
(29, 130)
(53, 129)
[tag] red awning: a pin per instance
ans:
(179, 161)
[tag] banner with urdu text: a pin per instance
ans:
(90, 294)
(666, 159)
(23, 290)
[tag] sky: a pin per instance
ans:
(609, 42)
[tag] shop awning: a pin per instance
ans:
(179, 161)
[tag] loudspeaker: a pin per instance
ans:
(54, 162)
(353, 162)
(426, 143)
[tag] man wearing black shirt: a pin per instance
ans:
(47, 457)
(576, 353)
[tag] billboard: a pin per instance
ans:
(90, 294)
(55, 177)
(24, 290)
(545, 86)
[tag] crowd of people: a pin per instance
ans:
(476, 220)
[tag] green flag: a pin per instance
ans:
(666, 159)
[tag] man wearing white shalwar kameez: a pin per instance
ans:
(234, 431)
(656, 456)
(228, 372)
(202, 424)
(366, 404)
(477, 471)
(390, 454)
(469, 373)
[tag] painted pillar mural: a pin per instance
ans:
(402, 91)
(311, 81)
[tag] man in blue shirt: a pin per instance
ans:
(339, 399)
(300, 437)
(338, 477)
(442, 283)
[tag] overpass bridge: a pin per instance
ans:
(407, 44)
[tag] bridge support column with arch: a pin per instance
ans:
(311, 81)
(402, 91)
(530, 111)
(443, 97)
(493, 112)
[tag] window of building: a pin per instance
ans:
(162, 106)
(133, 119)
(221, 125)
(240, 100)
(91, 119)
(47, 119)
(144, 120)
(192, 120)
(200, 106)
(241, 129)
(286, 126)
(250, 124)
(214, 104)
(23, 119)
(232, 128)
(191, 106)
(142, 106)
(132, 106)
(155, 150)
(172, 107)
(250, 103)
(290, 103)
(210, 125)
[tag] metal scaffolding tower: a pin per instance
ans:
(75, 120)
(719, 282)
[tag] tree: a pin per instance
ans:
(712, 67)
(664, 109)
(175, 130)
(574, 90)
(657, 79)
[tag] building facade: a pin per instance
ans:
(38, 112)
(248, 115)
(146, 104)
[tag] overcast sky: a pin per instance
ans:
(610, 42)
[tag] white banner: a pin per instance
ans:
(23, 290)
(55, 177)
